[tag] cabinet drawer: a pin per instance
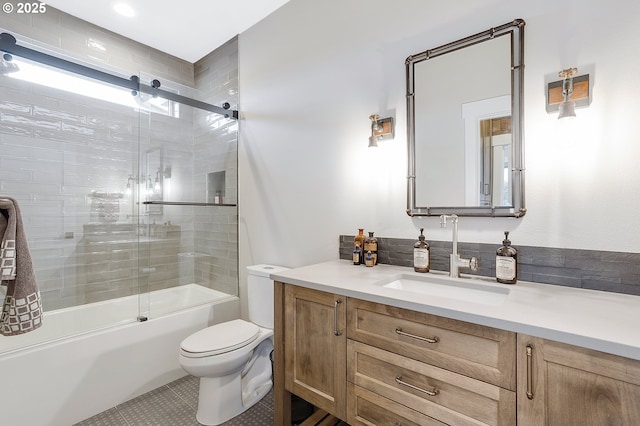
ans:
(484, 353)
(366, 408)
(441, 394)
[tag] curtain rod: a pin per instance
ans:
(9, 45)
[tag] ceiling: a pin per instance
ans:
(188, 29)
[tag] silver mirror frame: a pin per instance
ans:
(516, 31)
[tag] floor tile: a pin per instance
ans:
(110, 417)
(258, 415)
(175, 405)
(158, 408)
(267, 401)
(187, 389)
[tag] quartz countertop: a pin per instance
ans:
(604, 321)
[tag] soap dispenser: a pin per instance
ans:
(421, 254)
(506, 262)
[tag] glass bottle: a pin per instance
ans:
(506, 262)
(359, 241)
(368, 259)
(421, 254)
(356, 255)
(371, 245)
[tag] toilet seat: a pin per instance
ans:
(219, 339)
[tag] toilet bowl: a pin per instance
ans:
(232, 358)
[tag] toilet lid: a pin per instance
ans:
(220, 338)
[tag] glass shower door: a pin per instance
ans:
(190, 213)
(69, 149)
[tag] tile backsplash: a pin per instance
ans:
(590, 269)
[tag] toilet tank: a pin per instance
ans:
(260, 293)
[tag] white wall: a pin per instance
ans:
(313, 72)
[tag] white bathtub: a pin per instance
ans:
(79, 363)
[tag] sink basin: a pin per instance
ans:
(466, 289)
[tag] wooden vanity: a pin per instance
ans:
(371, 363)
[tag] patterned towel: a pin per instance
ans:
(22, 309)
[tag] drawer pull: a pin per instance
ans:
(433, 339)
(530, 371)
(335, 318)
(433, 392)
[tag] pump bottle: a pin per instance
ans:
(506, 262)
(421, 254)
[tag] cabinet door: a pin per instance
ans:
(564, 385)
(315, 348)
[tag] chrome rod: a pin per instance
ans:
(433, 339)
(335, 318)
(433, 392)
(185, 203)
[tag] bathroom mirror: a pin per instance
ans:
(464, 126)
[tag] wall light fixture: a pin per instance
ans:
(567, 94)
(381, 128)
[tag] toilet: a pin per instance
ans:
(232, 358)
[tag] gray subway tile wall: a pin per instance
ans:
(589, 269)
(216, 77)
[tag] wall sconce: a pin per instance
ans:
(157, 186)
(128, 190)
(569, 93)
(381, 128)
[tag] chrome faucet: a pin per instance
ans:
(455, 261)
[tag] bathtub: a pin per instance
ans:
(89, 358)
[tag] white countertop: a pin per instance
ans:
(604, 321)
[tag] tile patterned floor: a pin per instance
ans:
(175, 405)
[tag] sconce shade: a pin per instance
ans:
(373, 141)
(567, 109)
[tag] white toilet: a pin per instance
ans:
(232, 358)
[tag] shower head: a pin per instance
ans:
(7, 66)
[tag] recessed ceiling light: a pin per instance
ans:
(124, 10)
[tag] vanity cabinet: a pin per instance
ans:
(373, 364)
(427, 369)
(315, 341)
(560, 384)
